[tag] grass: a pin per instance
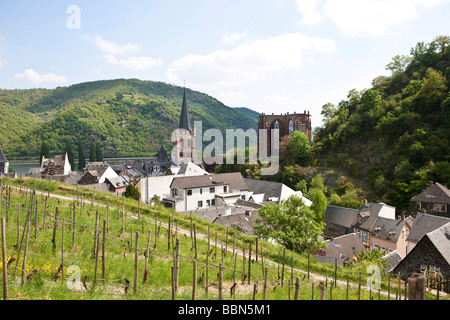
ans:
(120, 253)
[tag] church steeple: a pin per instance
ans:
(185, 120)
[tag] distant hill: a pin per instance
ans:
(128, 117)
(248, 113)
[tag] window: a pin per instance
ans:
(200, 204)
(212, 190)
(201, 191)
(440, 207)
(243, 197)
(419, 205)
(208, 203)
(189, 192)
(225, 189)
(213, 202)
(423, 268)
(364, 236)
(291, 127)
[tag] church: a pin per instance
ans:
(184, 138)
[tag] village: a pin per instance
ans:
(413, 244)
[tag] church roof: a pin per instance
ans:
(185, 120)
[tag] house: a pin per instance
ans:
(431, 254)
(436, 198)
(58, 165)
(160, 185)
(4, 163)
(340, 249)
(196, 192)
(97, 172)
(339, 221)
(244, 222)
(117, 184)
(423, 224)
(262, 191)
(374, 223)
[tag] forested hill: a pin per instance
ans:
(127, 117)
(396, 133)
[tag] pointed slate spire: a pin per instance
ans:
(185, 120)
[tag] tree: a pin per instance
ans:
(398, 63)
(319, 205)
(44, 152)
(98, 152)
(292, 224)
(81, 157)
(92, 154)
(69, 151)
(132, 192)
(328, 111)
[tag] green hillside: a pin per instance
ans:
(395, 135)
(128, 117)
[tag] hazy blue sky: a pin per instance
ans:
(271, 56)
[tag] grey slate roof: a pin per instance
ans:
(393, 258)
(441, 240)
(388, 229)
(234, 180)
(270, 189)
(436, 193)
(345, 217)
(345, 245)
(424, 223)
(243, 221)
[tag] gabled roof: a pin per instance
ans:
(340, 216)
(234, 180)
(346, 245)
(392, 258)
(270, 189)
(436, 193)
(441, 240)
(424, 223)
(388, 229)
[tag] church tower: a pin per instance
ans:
(185, 137)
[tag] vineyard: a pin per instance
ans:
(66, 242)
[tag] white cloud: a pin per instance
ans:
(357, 18)
(112, 47)
(307, 8)
(134, 63)
(248, 62)
(232, 38)
(29, 75)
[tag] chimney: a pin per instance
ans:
(365, 202)
(431, 183)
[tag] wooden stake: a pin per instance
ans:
(26, 247)
(5, 267)
(220, 281)
(297, 288)
(266, 274)
(136, 261)
(146, 255)
(103, 253)
(194, 281)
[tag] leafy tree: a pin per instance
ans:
(92, 153)
(44, 151)
(81, 157)
(398, 63)
(291, 224)
(132, 192)
(70, 156)
(328, 111)
(319, 205)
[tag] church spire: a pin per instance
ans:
(185, 120)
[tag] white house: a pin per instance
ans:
(160, 185)
(199, 192)
(97, 172)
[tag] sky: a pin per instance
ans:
(270, 56)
